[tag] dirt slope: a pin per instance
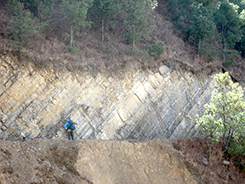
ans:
(86, 162)
(207, 162)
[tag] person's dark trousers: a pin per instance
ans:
(70, 135)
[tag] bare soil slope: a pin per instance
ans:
(113, 162)
(86, 162)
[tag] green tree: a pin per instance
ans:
(155, 49)
(31, 5)
(42, 10)
(138, 21)
(22, 23)
(103, 11)
(181, 10)
(224, 116)
(194, 18)
(74, 15)
(240, 46)
(201, 24)
(45, 11)
(228, 25)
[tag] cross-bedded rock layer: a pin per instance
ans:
(132, 105)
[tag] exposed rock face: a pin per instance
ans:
(134, 104)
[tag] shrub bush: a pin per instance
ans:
(155, 49)
(72, 50)
(228, 63)
(237, 151)
(210, 54)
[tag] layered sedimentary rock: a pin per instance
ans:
(134, 104)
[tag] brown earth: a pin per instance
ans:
(86, 162)
(111, 162)
(206, 162)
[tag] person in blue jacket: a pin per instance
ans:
(69, 127)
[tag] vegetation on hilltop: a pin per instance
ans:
(100, 33)
(62, 18)
(212, 21)
(201, 22)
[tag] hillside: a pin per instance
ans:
(125, 104)
(50, 49)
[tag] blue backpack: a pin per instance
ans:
(72, 125)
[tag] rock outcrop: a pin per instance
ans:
(134, 104)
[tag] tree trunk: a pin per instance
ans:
(199, 47)
(102, 32)
(224, 123)
(210, 150)
(133, 38)
(71, 41)
(223, 45)
(229, 137)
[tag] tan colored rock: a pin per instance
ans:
(132, 104)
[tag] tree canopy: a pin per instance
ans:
(224, 116)
(22, 23)
(202, 19)
(201, 22)
(138, 20)
(75, 14)
(103, 12)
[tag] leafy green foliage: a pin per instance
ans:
(155, 49)
(237, 150)
(199, 19)
(194, 19)
(102, 13)
(228, 63)
(210, 53)
(73, 49)
(224, 116)
(240, 46)
(104, 10)
(138, 20)
(228, 23)
(201, 23)
(45, 11)
(74, 15)
(22, 23)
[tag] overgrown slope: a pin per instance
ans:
(51, 47)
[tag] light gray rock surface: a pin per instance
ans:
(132, 105)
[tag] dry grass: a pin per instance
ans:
(196, 151)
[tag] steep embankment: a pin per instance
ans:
(134, 103)
(110, 95)
(92, 162)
